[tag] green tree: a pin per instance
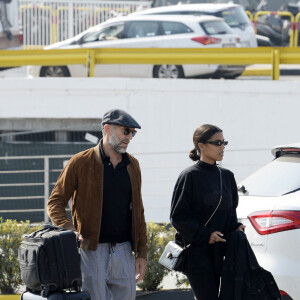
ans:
(11, 234)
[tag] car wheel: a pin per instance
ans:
(168, 71)
(215, 76)
(55, 71)
(232, 76)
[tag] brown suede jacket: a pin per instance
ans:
(82, 180)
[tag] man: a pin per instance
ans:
(104, 184)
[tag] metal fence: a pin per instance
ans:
(46, 22)
(30, 164)
(25, 185)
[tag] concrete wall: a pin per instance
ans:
(254, 115)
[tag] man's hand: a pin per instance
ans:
(216, 237)
(78, 236)
(140, 269)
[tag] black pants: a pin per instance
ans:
(203, 269)
(205, 285)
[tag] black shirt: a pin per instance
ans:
(117, 201)
(195, 197)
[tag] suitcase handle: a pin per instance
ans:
(46, 228)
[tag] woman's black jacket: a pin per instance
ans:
(195, 197)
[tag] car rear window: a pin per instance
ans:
(215, 27)
(174, 28)
(234, 17)
(281, 176)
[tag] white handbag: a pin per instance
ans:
(173, 255)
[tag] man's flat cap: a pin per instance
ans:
(119, 117)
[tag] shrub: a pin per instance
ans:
(11, 234)
(158, 236)
(182, 281)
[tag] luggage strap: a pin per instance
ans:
(61, 262)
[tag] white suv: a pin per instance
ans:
(233, 14)
(146, 32)
(269, 205)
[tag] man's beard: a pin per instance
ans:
(115, 143)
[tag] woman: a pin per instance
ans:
(203, 211)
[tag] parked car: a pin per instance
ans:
(233, 14)
(269, 205)
(146, 32)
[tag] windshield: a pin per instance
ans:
(277, 178)
(234, 17)
(215, 27)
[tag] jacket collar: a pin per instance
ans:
(97, 153)
(98, 156)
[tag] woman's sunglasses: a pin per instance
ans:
(127, 131)
(216, 143)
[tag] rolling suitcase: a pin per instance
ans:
(50, 261)
(84, 295)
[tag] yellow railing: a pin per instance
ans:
(296, 27)
(91, 57)
(249, 14)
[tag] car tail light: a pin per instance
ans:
(206, 40)
(268, 222)
(283, 293)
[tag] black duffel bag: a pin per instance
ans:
(50, 261)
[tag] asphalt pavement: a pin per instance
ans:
(265, 70)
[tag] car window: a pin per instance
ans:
(175, 28)
(277, 178)
(215, 27)
(138, 29)
(112, 32)
(234, 17)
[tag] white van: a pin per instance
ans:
(233, 14)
